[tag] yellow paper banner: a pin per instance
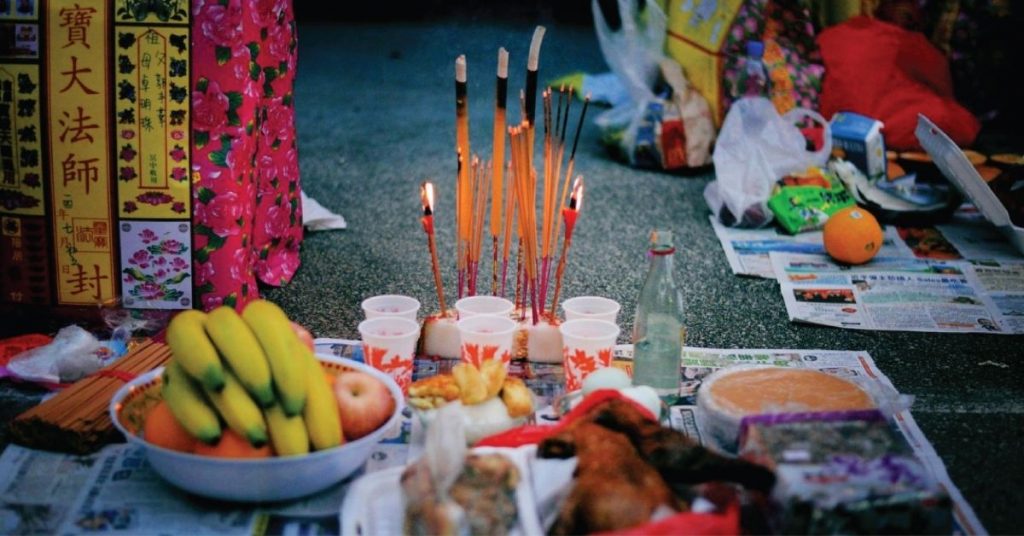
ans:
(76, 65)
(152, 122)
(21, 158)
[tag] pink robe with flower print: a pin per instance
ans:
(246, 194)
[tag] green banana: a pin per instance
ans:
(242, 352)
(239, 411)
(188, 405)
(193, 350)
(278, 339)
(287, 434)
(323, 421)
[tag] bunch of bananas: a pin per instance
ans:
(251, 373)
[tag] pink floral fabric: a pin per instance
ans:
(247, 217)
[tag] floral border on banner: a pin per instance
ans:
(156, 264)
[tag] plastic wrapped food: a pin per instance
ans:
(845, 473)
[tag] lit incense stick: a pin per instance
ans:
(532, 65)
(569, 214)
(427, 198)
(500, 97)
(464, 193)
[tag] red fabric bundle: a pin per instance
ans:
(888, 73)
(694, 523)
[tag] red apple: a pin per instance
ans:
(364, 403)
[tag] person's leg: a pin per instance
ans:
(277, 233)
(224, 105)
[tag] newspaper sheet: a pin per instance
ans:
(964, 238)
(747, 249)
(116, 492)
(893, 294)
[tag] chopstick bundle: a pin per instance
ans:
(76, 420)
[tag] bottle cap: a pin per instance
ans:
(755, 49)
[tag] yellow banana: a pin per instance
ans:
(242, 352)
(188, 405)
(278, 339)
(287, 434)
(323, 421)
(239, 411)
(193, 350)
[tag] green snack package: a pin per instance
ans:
(804, 203)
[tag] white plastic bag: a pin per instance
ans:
(756, 147)
(636, 127)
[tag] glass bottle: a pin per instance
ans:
(659, 327)
(754, 79)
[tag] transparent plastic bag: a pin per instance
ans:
(756, 147)
(665, 123)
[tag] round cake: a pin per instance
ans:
(730, 394)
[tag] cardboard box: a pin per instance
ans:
(861, 142)
(964, 176)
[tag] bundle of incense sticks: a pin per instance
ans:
(511, 187)
(77, 420)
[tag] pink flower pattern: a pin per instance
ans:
(157, 269)
(247, 218)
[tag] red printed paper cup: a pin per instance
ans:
(593, 307)
(391, 305)
(389, 345)
(484, 305)
(484, 337)
(587, 345)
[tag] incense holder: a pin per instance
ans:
(541, 342)
(440, 336)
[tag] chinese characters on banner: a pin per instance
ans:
(95, 152)
(77, 55)
(152, 151)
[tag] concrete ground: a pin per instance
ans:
(376, 116)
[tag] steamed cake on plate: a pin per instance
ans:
(730, 394)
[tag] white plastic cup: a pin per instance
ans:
(471, 306)
(389, 345)
(483, 337)
(593, 307)
(391, 305)
(587, 345)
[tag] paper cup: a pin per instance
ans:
(389, 345)
(485, 337)
(587, 345)
(391, 305)
(593, 307)
(483, 305)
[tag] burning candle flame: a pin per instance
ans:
(427, 197)
(576, 200)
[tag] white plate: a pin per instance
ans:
(374, 504)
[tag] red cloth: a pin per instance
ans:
(883, 71)
(247, 218)
(712, 524)
(533, 433)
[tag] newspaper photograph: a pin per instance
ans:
(902, 294)
(115, 491)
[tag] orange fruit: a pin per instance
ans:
(232, 445)
(162, 429)
(852, 235)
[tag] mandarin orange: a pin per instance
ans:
(162, 429)
(232, 445)
(852, 235)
